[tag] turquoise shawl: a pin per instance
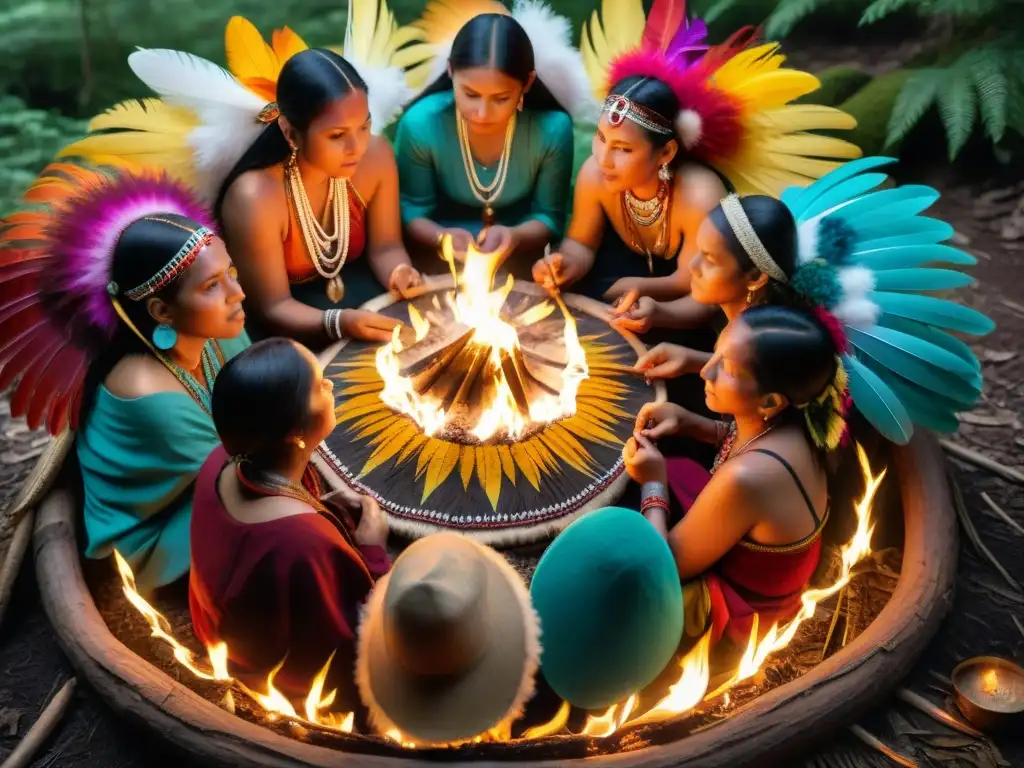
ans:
(139, 459)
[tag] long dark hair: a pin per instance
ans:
(309, 82)
(270, 380)
(793, 354)
(775, 227)
(143, 249)
(496, 40)
(655, 96)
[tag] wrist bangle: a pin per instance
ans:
(653, 503)
(653, 489)
(332, 324)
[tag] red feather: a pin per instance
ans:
(663, 22)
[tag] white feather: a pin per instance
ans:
(387, 93)
(856, 282)
(218, 146)
(807, 241)
(689, 127)
(559, 65)
(859, 313)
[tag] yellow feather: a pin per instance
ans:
(578, 459)
(466, 465)
(385, 426)
(580, 425)
(526, 465)
(441, 465)
(775, 89)
(541, 456)
(359, 389)
(508, 465)
(803, 117)
(413, 445)
(395, 442)
(285, 44)
(599, 410)
(809, 145)
(371, 419)
(249, 57)
(349, 407)
(618, 28)
(488, 473)
(426, 454)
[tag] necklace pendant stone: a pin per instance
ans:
(488, 215)
(335, 289)
(650, 262)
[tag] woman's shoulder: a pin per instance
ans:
(256, 187)
(138, 376)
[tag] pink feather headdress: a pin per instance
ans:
(55, 266)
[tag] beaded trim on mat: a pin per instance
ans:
(532, 516)
(618, 108)
(748, 238)
(182, 260)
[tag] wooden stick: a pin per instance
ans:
(14, 557)
(42, 728)
(975, 537)
(919, 702)
(875, 743)
(980, 460)
(1001, 513)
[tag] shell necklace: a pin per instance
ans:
(726, 452)
(491, 192)
(319, 244)
(646, 213)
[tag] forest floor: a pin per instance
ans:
(983, 211)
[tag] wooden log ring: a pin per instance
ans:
(778, 725)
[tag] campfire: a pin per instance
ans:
(476, 371)
(689, 692)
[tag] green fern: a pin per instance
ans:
(957, 104)
(789, 13)
(985, 66)
(879, 9)
(917, 95)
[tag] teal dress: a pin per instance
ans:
(432, 177)
(139, 460)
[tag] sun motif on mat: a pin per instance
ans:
(555, 448)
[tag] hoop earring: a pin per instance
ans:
(665, 173)
(164, 337)
(520, 106)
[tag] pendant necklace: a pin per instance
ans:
(318, 243)
(486, 194)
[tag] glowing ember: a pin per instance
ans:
(487, 359)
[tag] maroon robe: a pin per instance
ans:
(287, 589)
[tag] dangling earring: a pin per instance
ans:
(665, 173)
(300, 444)
(164, 337)
(750, 298)
(293, 157)
(521, 97)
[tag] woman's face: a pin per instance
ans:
(729, 385)
(715, 274)
(321, 401)
(338, 137)
(208, 304)
(626, 156)
(487, 98)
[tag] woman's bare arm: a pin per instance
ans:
(255, 214)
(586, 227)
(384, 223)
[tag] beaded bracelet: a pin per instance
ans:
(654, 494)
(332, 324)
(653, 503)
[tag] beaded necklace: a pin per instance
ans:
(211, 360)
(725, 452)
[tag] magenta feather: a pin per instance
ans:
(82, 237)
(688, 44)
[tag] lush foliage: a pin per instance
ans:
(973, 74)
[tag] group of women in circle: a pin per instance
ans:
(158, 273)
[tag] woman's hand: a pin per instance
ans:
(372, 530)
(461, 240)
(403, 278)
(495, 238)
(644, 461)
(634, 313)
(367, 326)
(621, 288)
(669, 361)
(657, 420)
(554, 272)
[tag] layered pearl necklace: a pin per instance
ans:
(486, 194)
(319, 244)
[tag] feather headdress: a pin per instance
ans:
(868, 257)
(558, 64)
(55, 267)
(208, 116)
(735, 112)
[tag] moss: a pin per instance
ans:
(837, 85)
(872, 106)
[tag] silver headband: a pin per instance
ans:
(748, 238)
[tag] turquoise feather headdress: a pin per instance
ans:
(868, 256)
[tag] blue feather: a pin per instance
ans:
(937, 337)
(877, 402)
(922, 362)
(833, 179)
(940, 313)
(919, 230)
(908, 256)
(889, 204)
(921, 280)
(926, 409)
(848, 190)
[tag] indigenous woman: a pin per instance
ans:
(140, 309)
(857, 252)
(676, 114)
(777, 373)
(486, 153)
(306, 195)
(277, 574)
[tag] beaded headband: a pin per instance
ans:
(181, 261)
(748, 238)
(619, 108)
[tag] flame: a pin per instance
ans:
(555, 725)
(477, 304)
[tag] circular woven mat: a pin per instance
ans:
(505, 494)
